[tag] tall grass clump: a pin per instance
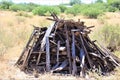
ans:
(109, 36)
(43, 10)
(25, 14)
(6, 41)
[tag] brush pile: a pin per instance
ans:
(65, 47)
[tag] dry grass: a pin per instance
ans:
(14, 33)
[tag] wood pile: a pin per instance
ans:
(65, 47)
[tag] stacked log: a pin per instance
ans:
(65, 47)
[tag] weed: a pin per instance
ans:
(20, 19)
(22, 13)
(109, 36)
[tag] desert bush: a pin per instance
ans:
(54, 9)
(72, 2)
(22, 13)
(90, 10)
(5, 4)
(94, 10)
(20, 19)
(110, 35)
(6, 41)
(75, 9)
(30, 6)
(62, 8)
(17, 7)
(42, 10)
(112, 9)
(23, 7)
(113, 5)
(71, 11)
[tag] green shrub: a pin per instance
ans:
(31, 6)
(17, 7)
(54, 9)
(72, 2)
(22, 7)
(5, 4)
(115, 4)
(42, 10)
(75, 9)
(62, 8)
(112, 9)
(92, 12)
(71, 11)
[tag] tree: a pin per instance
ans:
(99, 1)
(72, 2)
(5, 4)
(114, 3)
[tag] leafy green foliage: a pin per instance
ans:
(115, 4)
(42, 10)
(72, 2)
(30, 6)
(16, 7)
(90, 10)
(111, 1)
(5, 4)
(93, 10)
(22, 7)
(112, 9)
(75, 9)
(62, 8)
(99, 1)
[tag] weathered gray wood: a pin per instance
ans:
(38, 59)
(26, 47)
(43, 42)
(56, 66)
(82, 64)
(68, 50)
(86, 53)
(62, 66)
(58, 46)
(30, 52)
(108, 54)
(74, 71)
(47, 54)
